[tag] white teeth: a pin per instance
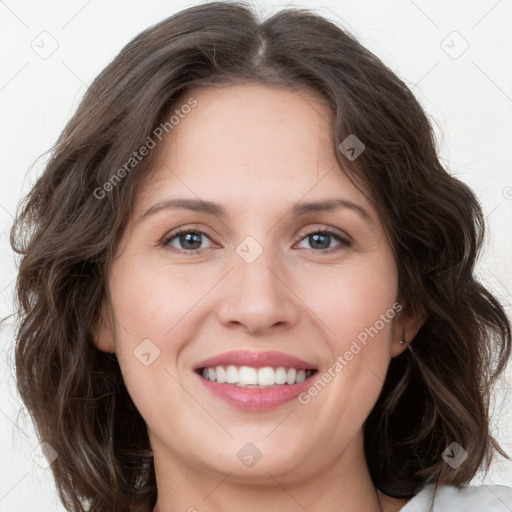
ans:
(291, 376)
(221, 374)
(231, 374)
(281, 375)
(266, 376)
(246, 376)
(301, 375)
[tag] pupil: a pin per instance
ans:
(319, 236)
(189, 238)
(194, 238)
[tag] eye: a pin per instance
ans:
(189, 240)
(321, 240)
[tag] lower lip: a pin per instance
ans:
(256, 399)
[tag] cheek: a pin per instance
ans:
(150, 299)
(151, 307)
(156, 311)
(357, 306)
(351, 300)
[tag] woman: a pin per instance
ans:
(322, 344)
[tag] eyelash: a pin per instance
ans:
(343, 241)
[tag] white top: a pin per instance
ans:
(487, 498)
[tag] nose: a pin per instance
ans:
(257, 297)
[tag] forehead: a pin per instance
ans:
(242, 141)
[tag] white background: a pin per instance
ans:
(469, 99)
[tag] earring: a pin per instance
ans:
(402, 342)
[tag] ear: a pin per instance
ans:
(405, 329)
(102, 330)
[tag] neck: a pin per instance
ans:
(343, 486)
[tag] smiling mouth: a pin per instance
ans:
(250, 377)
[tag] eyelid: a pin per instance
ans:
(165, 240)
(327, 229)
(343, 238)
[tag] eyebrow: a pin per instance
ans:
(298, 209)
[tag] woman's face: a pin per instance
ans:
(267, 275)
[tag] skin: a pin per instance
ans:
(257, 151)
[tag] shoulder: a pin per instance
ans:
(447, 498)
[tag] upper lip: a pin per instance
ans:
(255, 360)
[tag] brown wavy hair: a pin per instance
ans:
(436, 392)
